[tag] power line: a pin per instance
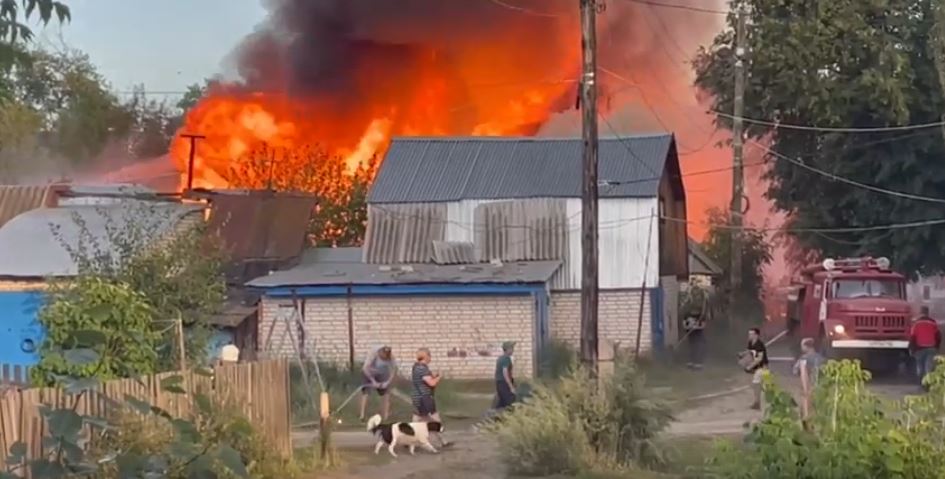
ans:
(526, 11)
(848, 181)
(661, 4)
(789, 126)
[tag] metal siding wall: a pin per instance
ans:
(623, 226)
(20, 312)
(404, 233)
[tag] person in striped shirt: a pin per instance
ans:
(424, 387)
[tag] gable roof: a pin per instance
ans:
(452, 169)
(700, 262)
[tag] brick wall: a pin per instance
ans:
(617, 315)
(464, 333)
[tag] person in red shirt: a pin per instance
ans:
(924, 342)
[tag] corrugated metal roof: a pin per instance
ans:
(332, 255)
(453, 252)
(17, 199)
(262, 224)
(327, 274)
(452, 169)
(30, 248)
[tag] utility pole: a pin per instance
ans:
(193, 151)
(589, 275)
(738, 174)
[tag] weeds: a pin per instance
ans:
(583, 424)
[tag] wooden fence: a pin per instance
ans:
(14, 374)
(259, 389)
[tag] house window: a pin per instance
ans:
(662, 210)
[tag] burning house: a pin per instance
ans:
(474, 241)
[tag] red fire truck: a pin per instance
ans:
(853, 308)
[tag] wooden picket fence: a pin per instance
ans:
(260, 389)
(14, 374)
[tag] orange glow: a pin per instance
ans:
(481, 89)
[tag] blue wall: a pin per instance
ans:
(19, 327)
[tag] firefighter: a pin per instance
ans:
(924, 342)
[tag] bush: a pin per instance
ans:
(95, 328)
(853, 433)
(580, 423)
(557, 359)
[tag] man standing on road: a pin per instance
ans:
(758, 364)
(924, 342)
(504, 384)
(378, 374)
(808, 367)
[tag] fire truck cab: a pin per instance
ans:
(854, 308)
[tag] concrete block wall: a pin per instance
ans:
(618, 313)
(464, 333)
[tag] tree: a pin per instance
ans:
(177, 269)
(80, 114)
(13, 32)
(193, 95)
(842, 64)
(755, 256)
(341, 216)
(115, 315)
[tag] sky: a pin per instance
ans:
(163, 44)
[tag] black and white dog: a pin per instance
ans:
(411, 434)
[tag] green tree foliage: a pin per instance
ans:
(853, 433)
(14, 32)
(843, 64)
(193, 95)
(756, 252)
(180, 273)
(95, 328)
(341, 216)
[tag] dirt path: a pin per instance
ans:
(471, 456)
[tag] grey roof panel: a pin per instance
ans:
(29, 248)
(452, 169)
(337, 274)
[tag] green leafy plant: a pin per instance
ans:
(95, 328)
(853, 433)
(178, 270)
(583, 424)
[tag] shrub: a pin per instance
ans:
(580, 423)
(853, 433)
(95, 327)
(557, 359)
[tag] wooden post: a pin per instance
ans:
(182, 359)
(350, 330)
(324, 435)
(589, 233)
(190, 162)
(646, 264)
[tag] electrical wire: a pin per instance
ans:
(661, 4)
(526, 11)
(848, 181)
(824, 129)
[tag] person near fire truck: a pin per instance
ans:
(696, 310)
(924, 341)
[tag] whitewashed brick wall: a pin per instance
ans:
(618, 313)
(464, 333)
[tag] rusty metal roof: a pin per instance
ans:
(261, 230)
(18, 199)
(261, 224)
